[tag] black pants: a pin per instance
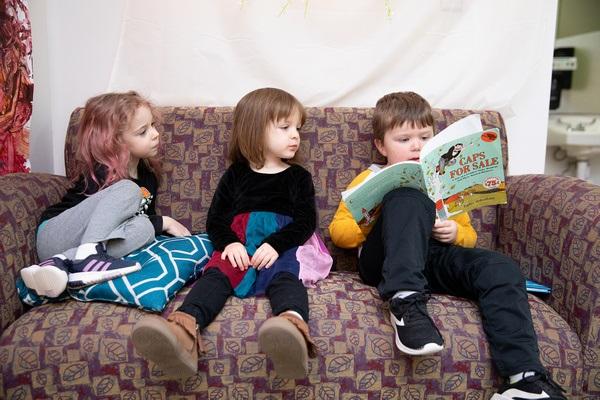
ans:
(399, 254)
(208, 296)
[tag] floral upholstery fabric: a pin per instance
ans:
(82, 350)
(335, 143)
(551, 226)
(23, 197)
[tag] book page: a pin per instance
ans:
(363, 200)
(466, 125)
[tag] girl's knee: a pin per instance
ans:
(127, 190)
(147, 229)
(141, 228)
(126, 185)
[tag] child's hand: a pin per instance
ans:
(445, 231)
(264, 256)
(172, 227)
(237, 255)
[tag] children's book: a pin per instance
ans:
(460, 169)
(534, 287)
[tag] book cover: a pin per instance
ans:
(534, 287)
(460, 169)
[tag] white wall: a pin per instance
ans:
(583, 97)
(76, 43)
(74, 47)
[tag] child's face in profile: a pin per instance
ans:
(282, 139)
(142, 138)
(403, 143)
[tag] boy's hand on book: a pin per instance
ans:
(264, 256)
(445, 231)
(237, 255)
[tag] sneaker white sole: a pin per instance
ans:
(48, 280)
(498, 396)
(81, 279)
(154, 341)
(429, 348)
(285, 346)
(519, 394)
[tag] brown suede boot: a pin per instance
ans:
(286, 341)
(173, 343)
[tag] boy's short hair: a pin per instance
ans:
(394, 109)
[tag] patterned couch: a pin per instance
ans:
(75, 350)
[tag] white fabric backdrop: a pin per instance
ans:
(457, 53)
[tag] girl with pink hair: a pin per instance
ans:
(110, 210)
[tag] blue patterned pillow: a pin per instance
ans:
(31, 298)
(168, 263)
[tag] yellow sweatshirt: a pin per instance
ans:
(346, 233)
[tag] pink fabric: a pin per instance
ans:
(315, 261)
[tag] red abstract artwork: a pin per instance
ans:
(16, 86)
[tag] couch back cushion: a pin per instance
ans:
(335, 142)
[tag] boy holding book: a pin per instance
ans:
(406, 253)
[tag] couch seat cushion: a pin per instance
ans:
(82, 350)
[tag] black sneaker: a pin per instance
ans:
(48, 278)
(538, 386)
(99, 267)
(416, 333)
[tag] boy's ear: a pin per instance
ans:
(380, 147)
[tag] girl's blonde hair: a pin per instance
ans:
(105, 119)
(251, 118)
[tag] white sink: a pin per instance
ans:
(578, 135)
(574, 130)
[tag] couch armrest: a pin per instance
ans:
(23, 198)
(551, 226)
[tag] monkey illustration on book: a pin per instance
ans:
(448, 158)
